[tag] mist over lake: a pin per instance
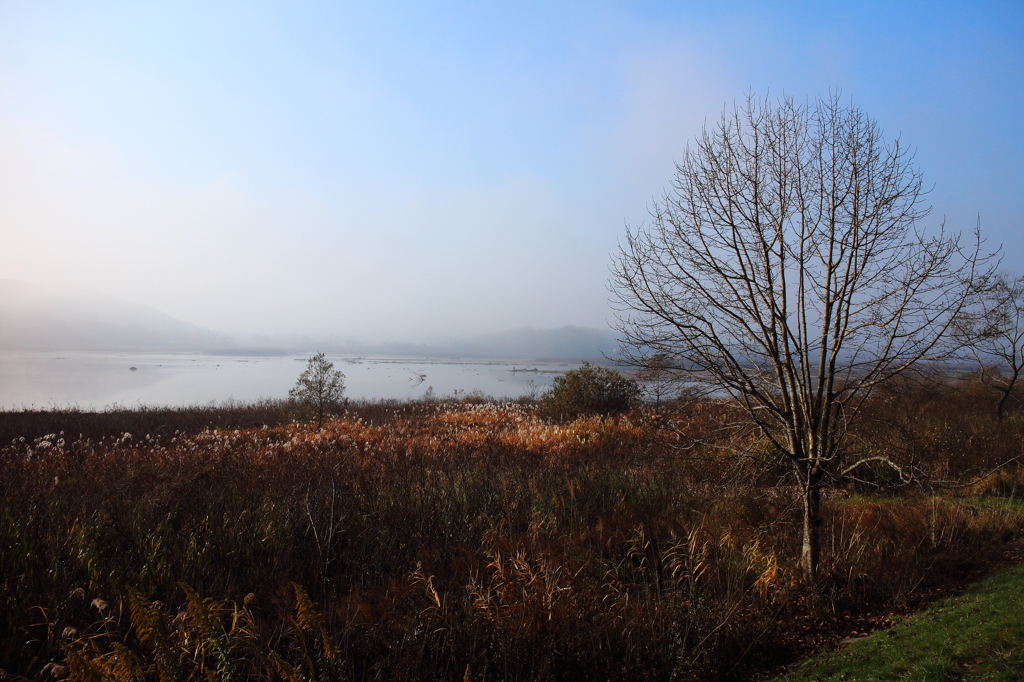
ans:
(95, 380)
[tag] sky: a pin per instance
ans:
(417, 171)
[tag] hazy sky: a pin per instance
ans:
(410, 170)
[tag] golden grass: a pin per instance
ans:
(413, 542)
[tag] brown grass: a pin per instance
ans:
(465, 540)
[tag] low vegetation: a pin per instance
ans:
(465, 539)
(976, 636)
(588, 390)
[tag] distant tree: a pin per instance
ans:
(589, 389)
(994, 334)
(659, 381)
(319, 389)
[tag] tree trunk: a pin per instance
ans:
(1008, 390)
(811, 554)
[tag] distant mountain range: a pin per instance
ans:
(522, 343)
(37, 318)
(541, 344)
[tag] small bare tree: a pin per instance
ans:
(319, 389)
(994, 335)
(658, 381)
(785, 269)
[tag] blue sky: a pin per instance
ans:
(411, 171)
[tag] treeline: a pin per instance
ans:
(162, 423)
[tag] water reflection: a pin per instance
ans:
(93, 380)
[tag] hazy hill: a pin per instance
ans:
(37, 318)
(541, 344)
(523, 343)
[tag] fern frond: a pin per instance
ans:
(150, 628)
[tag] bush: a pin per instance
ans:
(319, 389)
(589, 390)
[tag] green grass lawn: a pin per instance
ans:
(978, 635)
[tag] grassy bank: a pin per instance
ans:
(464, 539)
(976, 636)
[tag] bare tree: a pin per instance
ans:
(786, 270)
(994, 335)
(658, 381)
(319, 389)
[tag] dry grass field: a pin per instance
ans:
(469, 540)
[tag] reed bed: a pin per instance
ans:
(462, 540)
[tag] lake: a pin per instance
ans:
(95, 380)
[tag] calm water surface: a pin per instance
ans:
(94, 380)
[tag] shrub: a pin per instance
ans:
(589, 390)
(319, 389)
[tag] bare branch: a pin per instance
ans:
(786, 268)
